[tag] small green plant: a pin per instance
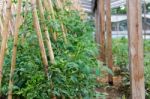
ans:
(120, 52)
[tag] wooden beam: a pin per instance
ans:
(102, 30)
(109, 60)
(136, 49)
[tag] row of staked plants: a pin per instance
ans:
(120, 53)
(72, 76)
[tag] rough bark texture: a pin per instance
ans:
(136, 49)
(109, 40)
(102, 30)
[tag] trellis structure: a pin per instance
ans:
(7, 11)
(135, 42)
(135, 39)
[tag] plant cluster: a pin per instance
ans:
(71, 76)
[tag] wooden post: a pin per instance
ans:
(39, 35)
(1, 27)
(109, 60)
(136, 49)
(1, 21)
(48, 41)
(102, 29)
(61, 23)
(5, 37)
(48, 6)
(13, 61)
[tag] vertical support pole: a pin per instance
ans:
(48, 6)
(5, 38)
(14, 53)
(39, 36)
(136, 49)
(109, 60)
(63, 29)
(46, 33)
(102, 30)
(1, 21)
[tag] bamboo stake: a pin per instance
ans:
(12, 21)
(1, 21)
(49, 8)
(25, 10)
(11, 30)
(48, 41)
(5, 38)
(1, 27)
(54, 37)
(62, 26)
(39, 35)
(3, 10)
(59, 4)
(13, 61)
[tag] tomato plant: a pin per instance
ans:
(71, 76)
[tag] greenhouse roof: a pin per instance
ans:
(88, 5)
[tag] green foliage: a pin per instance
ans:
(73, 73)
(120, 54)
(119, 10)
(147, 66)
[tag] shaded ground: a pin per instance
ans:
(117, 91)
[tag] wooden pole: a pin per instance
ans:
(1, 23)
(109, 40)
(48, 41)
(61, 24)
(39, 35)
(102, 30)
(59, 4)
(48, 6)
(38, 30)
(51, 8)
(5, 38)
(11, 28)
(13, 61)
(1, 27)
(136, 49)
